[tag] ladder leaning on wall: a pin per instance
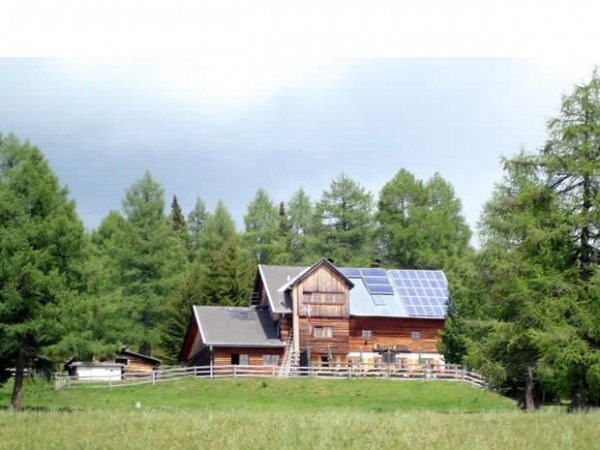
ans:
(291, 358)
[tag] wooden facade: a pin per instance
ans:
(224, 356)
(398, 334)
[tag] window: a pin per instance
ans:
(270, 360)
(244, 360)
(323, 332)
(367, 334)
(415, 335)
(323, 297)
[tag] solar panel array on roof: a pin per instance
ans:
(423, 292)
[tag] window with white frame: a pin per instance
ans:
(323, 332)
(270, 360)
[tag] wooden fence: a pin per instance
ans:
(445, 372)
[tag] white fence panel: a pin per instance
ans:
(445, 372)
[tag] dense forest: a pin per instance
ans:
(524, 307)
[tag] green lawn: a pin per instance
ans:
(309, 395)
(286, 414)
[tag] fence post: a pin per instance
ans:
(234, 371)
(153, 377)
(463, 373)
(272, 371)
(211, 372)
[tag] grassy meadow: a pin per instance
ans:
(285, 414)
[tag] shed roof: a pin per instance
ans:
(126, 353)
(274, 277)
(226, 326)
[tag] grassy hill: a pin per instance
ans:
(285, 414)
(281, 395)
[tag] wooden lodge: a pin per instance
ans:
(324, 315)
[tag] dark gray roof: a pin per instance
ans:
(275, 278)
(224, 326)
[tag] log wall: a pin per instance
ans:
(320, 345)
(387, 331)
(222, 355)
(323, 281)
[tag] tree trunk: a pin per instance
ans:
(529, 396)
(19, 376)
(578, 400)
(146, 349)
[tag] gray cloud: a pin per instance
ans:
(101, 124)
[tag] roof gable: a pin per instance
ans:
(312, 269)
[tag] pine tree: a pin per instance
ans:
(41, 246)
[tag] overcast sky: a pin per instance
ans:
(222, 128)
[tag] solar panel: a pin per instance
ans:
(423, 292)
(373, 272)
(350, 273)
(380, 289)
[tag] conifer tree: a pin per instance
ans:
(149, 260)
(262, 226)
(344, 223)
(41, 248)
(300, 217)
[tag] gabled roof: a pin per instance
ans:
(279, 279)
(402, 293)
(226, 326)
(310, 270)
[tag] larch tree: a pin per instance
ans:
(571, 160)
(540, 261)
(227, 268)
(420, 224)
(262, 226)
(524, 266)
(196, 222)
(41, 245)
(300, 213)
(343, 223)
(149, 259)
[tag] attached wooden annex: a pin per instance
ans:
(324, 315)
